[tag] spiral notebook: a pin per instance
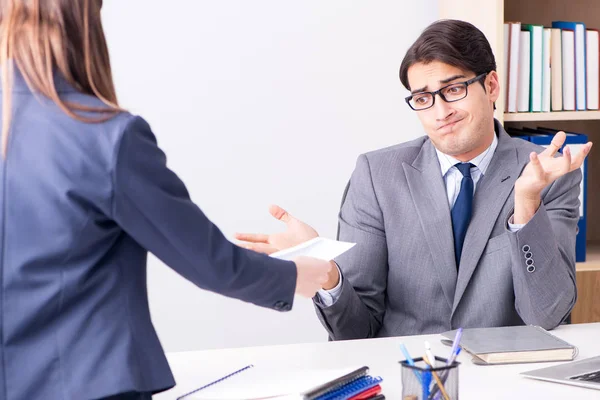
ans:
(362, 388)
(263, 382)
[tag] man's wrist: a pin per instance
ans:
(526, 205)
(334, 277)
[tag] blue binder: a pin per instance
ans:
(543, 136)
(518, 133)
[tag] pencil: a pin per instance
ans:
(437, 379)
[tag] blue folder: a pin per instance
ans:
(543, 137)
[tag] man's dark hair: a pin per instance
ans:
(452, 42)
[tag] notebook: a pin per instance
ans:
(252, 382)
(513, 344)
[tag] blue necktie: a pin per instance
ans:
(461, 212)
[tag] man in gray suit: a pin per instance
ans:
(464, 227)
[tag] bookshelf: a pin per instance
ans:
(489, 16)
(593, 258)
(552, 116)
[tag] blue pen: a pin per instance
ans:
(455, 355)
(410, 361)
(455, 345)
(425, 384)
(445, 373)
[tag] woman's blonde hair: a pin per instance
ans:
(44, 37)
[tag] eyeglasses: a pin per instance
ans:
(453, 92)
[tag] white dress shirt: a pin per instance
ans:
(452, 179)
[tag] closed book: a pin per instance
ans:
(556, 88)
(513, 344)
(536, 70)
(546, 72)
(578, 29)
(513, 65)
(568, 69)
(504, 83)
(523, 83)
(592, 70)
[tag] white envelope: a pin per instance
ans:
(322, 248)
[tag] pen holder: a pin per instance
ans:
(421, 382)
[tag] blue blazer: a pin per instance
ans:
(81, 204)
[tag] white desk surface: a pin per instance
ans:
(382, 356)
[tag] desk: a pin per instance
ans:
(382, 356)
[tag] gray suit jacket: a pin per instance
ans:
(81, 205)
(402, 279)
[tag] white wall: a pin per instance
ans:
(259, 102)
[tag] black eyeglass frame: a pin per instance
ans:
(439, 92)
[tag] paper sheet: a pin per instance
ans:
(322, 248)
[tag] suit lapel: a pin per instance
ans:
(491, 194)
(428, 193)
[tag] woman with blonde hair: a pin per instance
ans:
(85, 193)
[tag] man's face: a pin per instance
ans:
(464, 128)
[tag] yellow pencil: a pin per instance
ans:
(437, 379)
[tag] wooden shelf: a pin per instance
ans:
(587, 308)
(552, 116)
(592, 262)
